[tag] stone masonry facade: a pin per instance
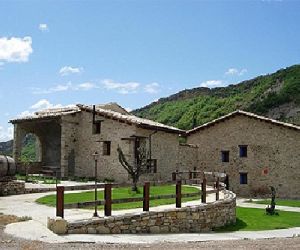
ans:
(68, 141)
(192, 219)
(272, 157)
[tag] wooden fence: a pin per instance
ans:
(108, 201)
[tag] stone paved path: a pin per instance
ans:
(244, 203)
(35, 229)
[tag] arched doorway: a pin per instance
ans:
(31, 150)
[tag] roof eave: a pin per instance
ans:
(243, 113)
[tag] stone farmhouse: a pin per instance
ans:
(254, 151)
(68, 137)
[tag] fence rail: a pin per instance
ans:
(132, 199)
(108, 201)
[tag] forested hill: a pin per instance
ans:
(274, 95)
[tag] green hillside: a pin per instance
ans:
(28, 148)
(274, 95)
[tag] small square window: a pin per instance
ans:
(97, 128)
(243, 150)
(225, 156)
(106, 147)
(243, 178)
(152, 166)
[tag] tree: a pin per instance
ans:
(25, 161)
(136, 169)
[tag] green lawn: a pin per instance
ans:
(279, 202)
(253, 219)
(119, 193)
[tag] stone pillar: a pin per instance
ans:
(68, 139)
(19, 134)
(38, 149)
(64, 151)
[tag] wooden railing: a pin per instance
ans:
(108, 201)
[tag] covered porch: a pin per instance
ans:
(47, 134)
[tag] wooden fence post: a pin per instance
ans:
(60, 201)
(203, 189)
(178, 194)
(146, 195)
(107, 198)
(218, 189)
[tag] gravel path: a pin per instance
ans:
(8, 242)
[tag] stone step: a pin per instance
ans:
(51, 167)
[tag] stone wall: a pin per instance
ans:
(69, 126)
(273, 157)
(187, 157)
(12, 187)
(200, 218)
(87, 143)
(164, 149)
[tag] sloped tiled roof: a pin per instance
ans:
(47, 114)
(244, 113)
(107, 113)
(131, 119)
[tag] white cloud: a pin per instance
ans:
(66, 87)
(43, 27)
(57, 88)
(6, 134)
(128, 109)
(235, 71)
(86, 86)
(44, 104)
(212, 83)
(41, 105)
(122, 88)
(67, 70)
(15, 49)
(152, 88)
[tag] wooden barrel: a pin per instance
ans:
(7, 166)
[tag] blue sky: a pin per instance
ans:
(55, 53)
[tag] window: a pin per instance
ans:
(151, 166)
(243, 150)
(97, 127)
(225, 156)
(243, 178)
(106, 147)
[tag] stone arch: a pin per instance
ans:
(31, 147)
(48, 143)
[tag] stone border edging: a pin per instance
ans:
(191, 219)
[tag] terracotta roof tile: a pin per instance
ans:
(248, 114)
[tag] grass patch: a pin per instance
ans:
(254, 219)
(124, 192)
(280, 202)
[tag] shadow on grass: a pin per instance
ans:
(240, 224)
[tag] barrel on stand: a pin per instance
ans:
(7, 166)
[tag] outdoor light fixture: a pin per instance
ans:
(95, 156)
